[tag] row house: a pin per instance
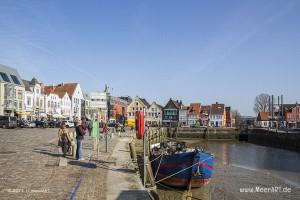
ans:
(193, 114)
(292, 115)
(174, 113)
(137, 104)
(34, 99)
(64, 100)
(204, 115)
(12, 92)
(228, 118)
(217, 117)
(118, 109)
(58, 103)
(154, 115)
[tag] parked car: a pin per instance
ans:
(69, 124)
(22, 123)
(31, 125)
(52, 124)
(8, 122)
(41, 124)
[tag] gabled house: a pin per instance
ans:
(173, 113)
(137, 104)
(292, 115)
(75, 94)
(193, 114)
(263, 119)
(34, 99)
(204, 115)
(217, 117)
(154, 115)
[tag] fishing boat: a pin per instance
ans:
(175, 165)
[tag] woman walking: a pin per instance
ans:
(64, 138)
(81, 130)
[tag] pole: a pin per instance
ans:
(108, 116)
(144, 147)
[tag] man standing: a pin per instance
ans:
(81, 130)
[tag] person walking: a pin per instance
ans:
(64, 138)
(81, 130)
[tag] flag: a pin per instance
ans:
(95, 130)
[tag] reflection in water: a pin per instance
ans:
(281, 163)
(244, 165)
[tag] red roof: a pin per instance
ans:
(61, 89)
(263, 116)
(195, 108)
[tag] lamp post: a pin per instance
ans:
(107, 120)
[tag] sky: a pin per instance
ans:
(196, 51)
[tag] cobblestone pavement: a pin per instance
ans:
(29, 162)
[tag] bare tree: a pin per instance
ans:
(235, 114)
(261, 103)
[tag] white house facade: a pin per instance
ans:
(154, 114)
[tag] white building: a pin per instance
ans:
(217, 115)
(34, 99)
(12, 92)
(52, 104)
(154, 114)
(98, 102)
(56, 94)
(65, 105)
(183, 116)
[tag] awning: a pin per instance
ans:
(43, 114)
(57, 116)
(23, 113)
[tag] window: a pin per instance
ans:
(5, 77)
(20, 94)
(28, 101)
(15, 79)
(20, 105)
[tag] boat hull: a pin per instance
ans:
(191, 169)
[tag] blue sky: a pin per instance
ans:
(197, 51)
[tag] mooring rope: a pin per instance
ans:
(197, 163)
(158, 166)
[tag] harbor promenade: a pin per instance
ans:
(32, 167)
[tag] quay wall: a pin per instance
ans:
(283, 140)
(204, 133)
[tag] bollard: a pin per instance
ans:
(133, 154)
(106, 142)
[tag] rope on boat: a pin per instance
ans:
(156, 158)
(197, 163)
(158, 165)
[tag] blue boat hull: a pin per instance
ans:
(199, 172)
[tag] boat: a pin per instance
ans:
(177, 166)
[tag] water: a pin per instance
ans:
(244, 165)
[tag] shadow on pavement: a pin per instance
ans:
(133, 194)
(46, 152)
(83, 164)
